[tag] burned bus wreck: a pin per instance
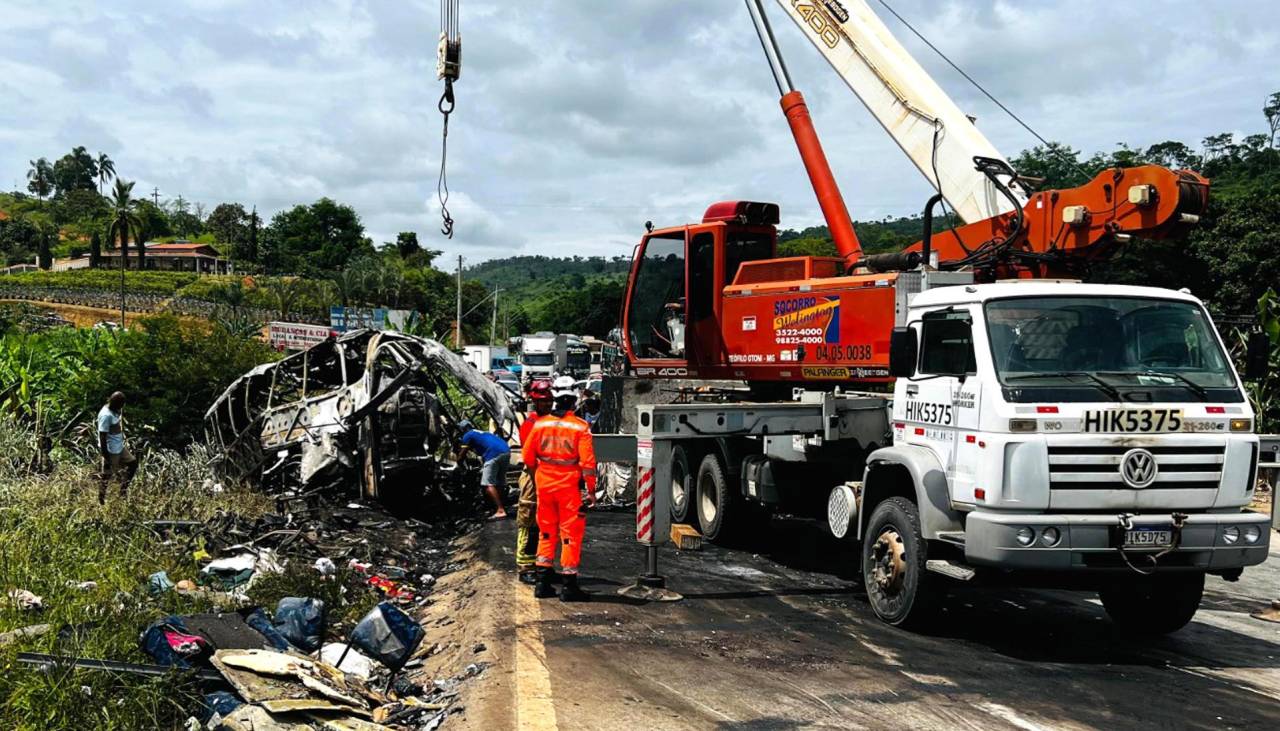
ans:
(377, 408)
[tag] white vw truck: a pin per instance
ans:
(1094, 434)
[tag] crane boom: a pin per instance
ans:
(907, 102)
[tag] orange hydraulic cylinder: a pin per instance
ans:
(824, 183)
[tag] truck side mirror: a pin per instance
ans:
(1257, 355)
(903, 352)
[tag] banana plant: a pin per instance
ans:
(1264, 394)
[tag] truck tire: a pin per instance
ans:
(714, 499)
(894, 552)
(682, 486)
(1153, 605)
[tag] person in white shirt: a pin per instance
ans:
(116, 458)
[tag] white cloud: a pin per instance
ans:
(578, 120)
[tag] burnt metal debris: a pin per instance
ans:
(379, 407)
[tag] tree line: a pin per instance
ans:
(1228, 259)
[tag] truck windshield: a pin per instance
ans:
(1105, 343)
(539, 359)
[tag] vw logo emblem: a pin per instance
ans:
(1138, 468)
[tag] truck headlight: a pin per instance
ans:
(1252, 533)
(1242, 425)
(1050, 536)
(1230, 534)
(1025, 536)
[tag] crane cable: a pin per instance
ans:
(1048, 147)
(447, 68)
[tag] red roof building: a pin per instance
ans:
(177, 256)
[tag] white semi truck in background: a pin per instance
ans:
(537, 356)
(546, 354)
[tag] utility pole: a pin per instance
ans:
(155, 196)
(124, 258)
(493, 325)
(457, 332)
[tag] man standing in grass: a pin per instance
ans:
(117, 461)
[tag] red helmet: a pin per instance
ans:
(540, 390)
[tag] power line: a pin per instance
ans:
(1048, 147)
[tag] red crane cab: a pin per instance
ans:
(712, 301)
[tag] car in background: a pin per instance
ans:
(508, 380)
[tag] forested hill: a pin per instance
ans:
(533, 273)
(518, 272)
(876, 237)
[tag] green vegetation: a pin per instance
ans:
(54, 536)
(1265, 394)
(164, 283)
(580, 295)
(170, 372)
(311, 256)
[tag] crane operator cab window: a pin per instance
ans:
(656, 314)
(946, 344)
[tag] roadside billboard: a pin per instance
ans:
(342, 319)
(296, 335)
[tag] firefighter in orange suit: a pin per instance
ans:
(526, 515)
(560, 453)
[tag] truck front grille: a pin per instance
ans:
(1098, 467)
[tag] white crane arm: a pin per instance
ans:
(913, 109)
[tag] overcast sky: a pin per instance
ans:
(578, 120)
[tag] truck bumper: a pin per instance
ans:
(1088, 541)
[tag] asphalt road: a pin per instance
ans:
(779, 635)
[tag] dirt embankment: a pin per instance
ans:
(468, 623)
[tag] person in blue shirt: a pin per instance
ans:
(117, 460)
(496, 455)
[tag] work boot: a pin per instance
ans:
(570, 591)
(543, 589)
(528, 576)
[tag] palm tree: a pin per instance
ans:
(346, 284)
(41, 177)
(124, 217)
(285, 293)
(106, 170)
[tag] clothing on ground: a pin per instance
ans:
(109, 424)
(494, 471)
(485, 444)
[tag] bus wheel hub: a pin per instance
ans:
(888, 561)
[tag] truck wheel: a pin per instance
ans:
(894, 552)
(714, 499)
(1153, 605)
(681, 485)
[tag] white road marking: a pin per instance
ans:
(535, 708)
